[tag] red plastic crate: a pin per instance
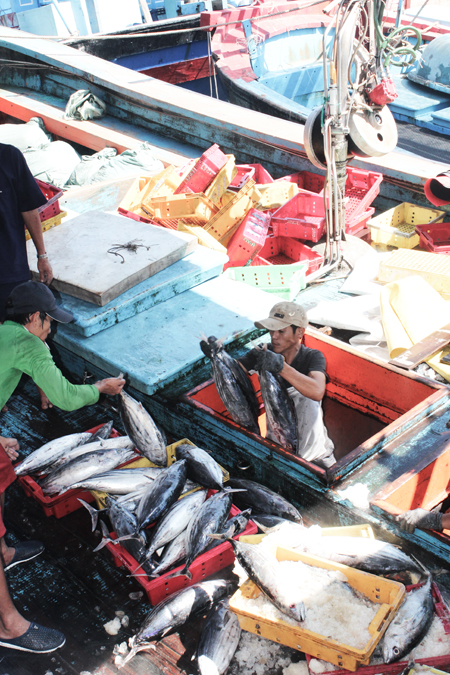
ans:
(361, 188)
(360, 222)
(247, 171)
(60, 505)
(203, 171)
(135, 216)
(285, 251)
(203, 566)
(302, 217)
(438, 662)
(434, 237)
(52, 195)
(248, 239)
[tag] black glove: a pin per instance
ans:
(425, 520)
(270, 361)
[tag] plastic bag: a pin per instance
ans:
(25, 136)
(90, 165)
(53, 163)
(83, 105)
(129, 163)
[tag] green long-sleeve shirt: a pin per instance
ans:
(22, 352)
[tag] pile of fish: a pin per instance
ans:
(238, 396)
(74, 460)
(181, 527)
(415, 615)
(220, 636)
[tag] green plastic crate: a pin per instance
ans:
(283, 280)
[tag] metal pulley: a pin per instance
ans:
(372, 133)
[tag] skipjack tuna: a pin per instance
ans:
(233, 385)
(141, 428)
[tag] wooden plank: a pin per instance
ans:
(24, 104)
(424, 349)
(163, 342)
(85, 266)
(201, 265)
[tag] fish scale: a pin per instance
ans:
(279, 409)
(141, 428)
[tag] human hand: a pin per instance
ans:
(270, 361)
(45, 271)
(111, 386)
(425, 520)
(10, 446)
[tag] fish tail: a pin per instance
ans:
(229, 490)
(93, 513)
(184, 572)
(134, 649)
(223, 536)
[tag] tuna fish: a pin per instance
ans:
(210, 518)
(264, 570)
(219, 640)
(410, 623)
(201, 467)
(161, 494)
(142, 429)
(175, 610)
(106, 444)
(370, 555)
(43, 457)
(262, 500)
(173, 553)
(102, 433)
(83, 467)
(280, 411)
(233, 385)
(120, 482)
(176, 520)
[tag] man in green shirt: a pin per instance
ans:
(30, 309)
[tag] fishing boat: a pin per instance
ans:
(154, 107)
(272, 62)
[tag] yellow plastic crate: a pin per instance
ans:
(223, 224)
(396, 227)
(434, 268)
(100, 497)
(349, 531)
(49, 223)
(221, 182)
(204, 238)
(274, 195)
(194, 209)
(388, 594)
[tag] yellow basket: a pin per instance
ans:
(364, 530)
(221, 182)
(100, 497)
(274, 195)
(434, 268)
(224, 223)
(204, 238)
(396, 227)
(49, 223)
(388, 594)
(194, 209)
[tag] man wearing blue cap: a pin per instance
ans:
(30, 309)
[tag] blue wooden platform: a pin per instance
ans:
(160, 346)
(422, 106)
(201, 265)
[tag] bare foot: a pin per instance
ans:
(7, 553)
(5, 408)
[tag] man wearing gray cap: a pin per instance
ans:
(304, 370)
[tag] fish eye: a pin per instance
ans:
(396, 651)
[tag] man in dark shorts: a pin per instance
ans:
(20, 199)
(304, 370)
